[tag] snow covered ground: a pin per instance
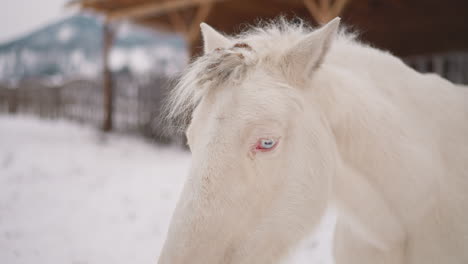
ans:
(71, 195)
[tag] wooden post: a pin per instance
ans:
(12, 100)
(107, 40)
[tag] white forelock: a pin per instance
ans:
(259, 46)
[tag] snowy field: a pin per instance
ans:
(69, 195)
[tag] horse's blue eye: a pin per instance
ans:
(267, 143)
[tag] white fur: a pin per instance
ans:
(357, 127)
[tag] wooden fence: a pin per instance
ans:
(452, 66)
(136, 105)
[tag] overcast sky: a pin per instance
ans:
(19, 17)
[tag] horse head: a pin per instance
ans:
(263, 155)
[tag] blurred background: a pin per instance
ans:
(84, 176)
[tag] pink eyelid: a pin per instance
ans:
(257, 146)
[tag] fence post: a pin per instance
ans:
(107, 39)
(12, 101)
(57, 102)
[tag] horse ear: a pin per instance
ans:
(307, 55)
(212, 39)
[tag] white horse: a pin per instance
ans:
(286, 120)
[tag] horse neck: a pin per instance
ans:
(390, 124)
(350, 96)
(377, 108)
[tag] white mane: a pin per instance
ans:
(259, 46)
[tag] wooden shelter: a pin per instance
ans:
(405, 27)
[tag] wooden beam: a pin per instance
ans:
(178, 22)
(202, 13)
(155, 24)
(314, 10)
(325, 10)
(84, 3)
(155, 8)
(338, 7)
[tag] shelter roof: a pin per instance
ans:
(405, 27)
